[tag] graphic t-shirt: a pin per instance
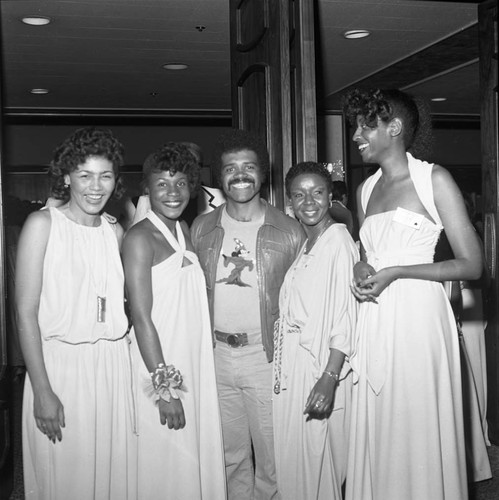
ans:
(237, 306)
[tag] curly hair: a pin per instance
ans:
(239, 140)
(387, 104)
(83, 144)
(174, 157)
(307, 167)
(195, 149)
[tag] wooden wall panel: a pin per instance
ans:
(278, 101)
(487, 20)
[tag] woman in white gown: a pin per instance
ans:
(78, 421)
(312, 383)
(407, 439)
(179, 431)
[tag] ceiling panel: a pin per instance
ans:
(108, 55)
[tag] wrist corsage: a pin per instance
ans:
(166, 381)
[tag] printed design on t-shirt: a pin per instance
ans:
(240, 259)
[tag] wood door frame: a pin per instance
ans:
(282, 50)
(487, 22)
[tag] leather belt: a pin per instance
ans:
(232, 339)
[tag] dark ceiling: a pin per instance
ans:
(100, 56)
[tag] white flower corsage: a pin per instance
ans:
(166, 381)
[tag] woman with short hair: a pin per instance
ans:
(78, 416)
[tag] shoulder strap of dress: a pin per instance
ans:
(141, 209)
(368, 187)
(56, 216)
(420, 172)
(178, 245)
(110, 228)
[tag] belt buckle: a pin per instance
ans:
(233, 340)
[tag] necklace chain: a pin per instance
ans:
(311, 243)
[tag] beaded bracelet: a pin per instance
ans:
(333, 375)
(165, 380)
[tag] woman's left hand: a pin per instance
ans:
(320, 401)
(375, 284)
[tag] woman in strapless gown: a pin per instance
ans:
(407, 438)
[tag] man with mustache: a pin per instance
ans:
(249, 238)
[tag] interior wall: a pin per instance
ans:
(29, 147)
(34, 144)
(331, 144)
(28, 151)
(453, 148)
(457, 147)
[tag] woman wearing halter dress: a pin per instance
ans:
(406, 438)
(179, 432)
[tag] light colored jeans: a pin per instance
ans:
(244, 381)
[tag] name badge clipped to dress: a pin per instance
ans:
(101, 309)
(408, 218)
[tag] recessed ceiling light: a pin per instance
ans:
(175, 66)
(439, 99)
(36, 20)
(39, 91)
(352, 34)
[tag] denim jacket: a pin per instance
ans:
(279, 240)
